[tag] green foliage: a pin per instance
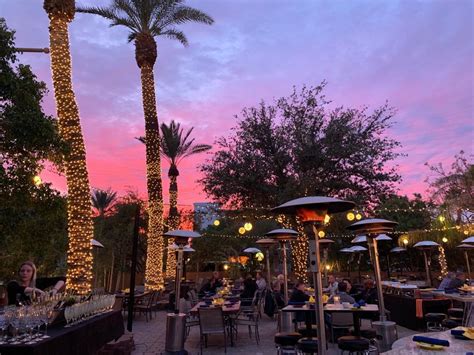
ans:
(33, 223)
(298, 147)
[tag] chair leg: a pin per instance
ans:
(225, 343)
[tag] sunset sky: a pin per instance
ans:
(417, 55)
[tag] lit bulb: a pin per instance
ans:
(321, 234)
(37, 180)
(358, 216)
(442, 219)
(248, 226)
(226, 267)
(242, 230)
(405, 241)
(217, 222)
(466, 232)
(445, 240)
(259, 256)
(327, 218)
(350, 216)
(327, 267)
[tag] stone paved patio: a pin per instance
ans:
(150, 338)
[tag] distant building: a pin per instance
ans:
(205, 213)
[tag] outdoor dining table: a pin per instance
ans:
(228, 310)
(81, 339)
(330, 308)
(466, 299)
(406, 345)
(356, 313)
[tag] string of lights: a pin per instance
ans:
(442, 261)
(173, 224)
(79, 208)
(155, 242)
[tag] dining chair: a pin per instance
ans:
(340, 320)
(211, 321)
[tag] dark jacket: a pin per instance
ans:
(369, 296)
(298, 296)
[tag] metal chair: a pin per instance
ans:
(144, 304)
(340, 320)
(249, 318)
(211, 321)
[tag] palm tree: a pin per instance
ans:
(175, 146)
(103, 200)
(147, 19)
(80, 229)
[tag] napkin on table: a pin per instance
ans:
(428, 340)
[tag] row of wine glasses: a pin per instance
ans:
(21, 325)
(81, 311)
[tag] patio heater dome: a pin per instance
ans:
(186, 249)
(357, 248)
(426, 244)
(282, 234)
(397, 250)
(469, 240)
(359, 239)
(252, 250)
(96, 244)
(346, 250)
(373, 226)
(266, 242)
(465, 246)
(383, 237)
(181, 236)
(329, 204)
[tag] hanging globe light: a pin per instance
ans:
(217, 222)
(248, 226)
(350, 216)
(321, 234)
(241, 230)
(358, 216)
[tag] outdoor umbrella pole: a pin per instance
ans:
(467, 264)
(378, 280)
(179, 265)
(285, 273)
(427, 267)
(269, 275)
(318, 293)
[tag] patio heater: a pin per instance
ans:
(96, 245)
(282, 236)
(348, 251)
(267, 243)
(427, 246)
(398, 250)
(373, 227)
(358, 250)
(176, 322)
(312, 211)
(380, 237)
(465, 248)
(324, 245)
(186, 249)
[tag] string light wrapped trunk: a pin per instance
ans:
(79, 208)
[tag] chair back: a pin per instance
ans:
(342, 319)
(211, 320)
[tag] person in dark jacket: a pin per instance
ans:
(458, 281)
(369, 293)
(250, 286)
(298, 295)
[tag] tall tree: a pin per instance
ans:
(80, 228)
(147, 19)
(33, 221)
(298, 146)
(176, 145)
(454, 190)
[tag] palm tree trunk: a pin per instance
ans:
(80, 227)
(154, 262)
(173, 223)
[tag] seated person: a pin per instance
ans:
(298, 295)
(332, 285)
(369, 293)
(212, 285)
(458, 281)
(261, 283)
(21, 292)
(446, 280)
(246, 296)
(342, 293)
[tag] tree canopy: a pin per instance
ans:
(33, 220)
(300, 146)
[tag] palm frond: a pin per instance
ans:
(173, 33)
(198, 148)
(184, 14)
